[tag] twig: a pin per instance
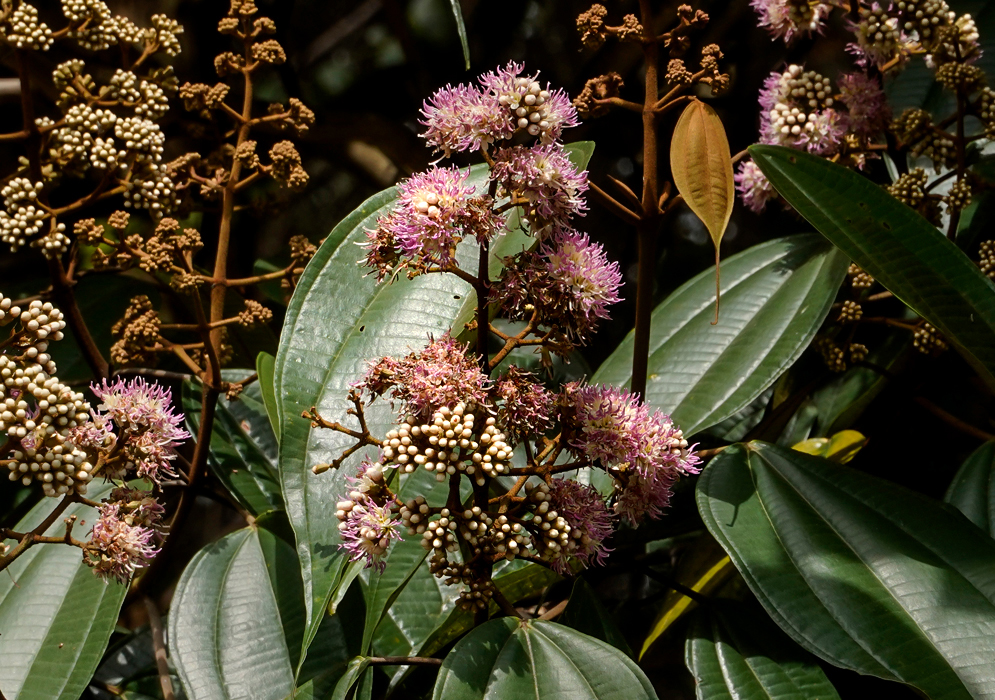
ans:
(953, 420)
(159, 644)
(403, 661)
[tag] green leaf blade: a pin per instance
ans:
(461, 29)
(734, 651)
(512, 658)
(863, 573)
(775, 297)
(56, 616)
(972, 491)
(237, 619)
(896, 245)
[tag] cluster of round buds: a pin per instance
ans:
(808, 92)
(851, 312)
(528, 103)
(452, 442)
(879, 36)
(959, 196)
(153, 190)
(909, 188)
(478, 592)
(552, 531)
(415, 514)
(924, 17)
(832, 354)
(24, 30)
(927, 340)
(22, 219)
(987, 261)
(859, 278)
(142, 137)
(438, 535)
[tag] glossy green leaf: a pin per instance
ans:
(237, 618)
(512, 658)
(337, 320)
(896, 245)
(56, 616)
(841, 447)
(461, 29)
(244, 450)
(352, 675)
(863, 573)
(734, 651)
(972, 491)
(265, 365)
(775, 296)
(516, 580)
(587, 615)
(382, 590)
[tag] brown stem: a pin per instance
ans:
(403, 661)
(482, 289)
(953, 420)
(159, 644)
(62, 291)
(30, 538)
(616, 207)
(506, 605)
(646, 230)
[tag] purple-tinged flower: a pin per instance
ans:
(540, 111)
(94, 434)
(367, 530)
(117, 549)
(566, 286)
(609, 423)
(868, 112)
(442, 374)
(588, 283)
(582, 507)
(464, 118)
(823, 133)
(549, 185)
(435, 210)
(138, 404)
(649, 452)
(753, 186)
(146, 424)
(645, 496)
(787, 19)
(880, 38)
(526, 407)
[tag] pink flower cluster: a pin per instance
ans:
(614, 426)
(440, 375)
(435, 210)
(470, 117)
(148, 429)
(788, 19)
(590, 524)
(124, 537)
(526, 407)
(569, 284)
(544, 180)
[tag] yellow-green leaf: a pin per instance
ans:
(703, 570)
(841, 447)
(702, 168)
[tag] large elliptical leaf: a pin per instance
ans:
(865, 574)
(972, 491)
(244, 451)
(226, 632)
(237, 620)
(56, 616)
(896, 245)
(734, 651)
(512, 658)
(339, 319)
(775, 297)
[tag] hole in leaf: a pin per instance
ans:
(886, 225)
(457, 297)
(362, 328)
